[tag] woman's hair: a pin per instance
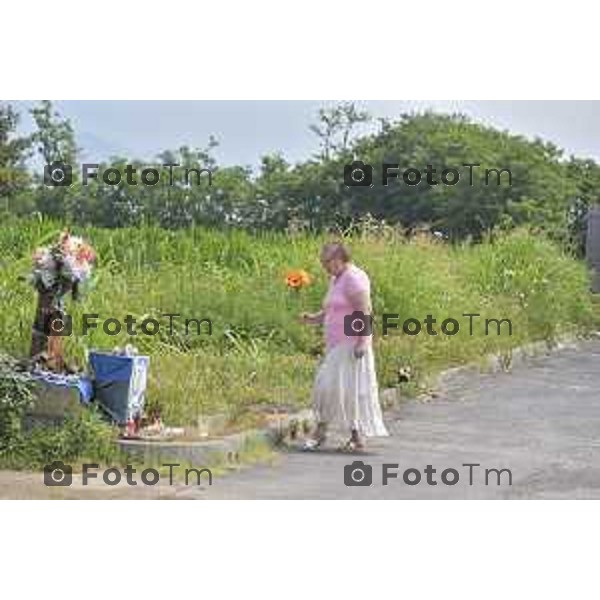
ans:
(337, 250)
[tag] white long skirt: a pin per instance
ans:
(345, 394)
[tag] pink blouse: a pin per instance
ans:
(337, 305)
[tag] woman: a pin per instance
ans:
(345, 393)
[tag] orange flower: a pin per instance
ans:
(297, 279)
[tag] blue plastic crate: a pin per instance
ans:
(120, 384)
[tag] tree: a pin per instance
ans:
(14, 151)
(185, 194)
(539, 190)
(335, 127)
(54, 140)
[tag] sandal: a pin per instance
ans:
(311, 445)
(355, 443)
(318, 440)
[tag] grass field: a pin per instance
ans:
(258, 353)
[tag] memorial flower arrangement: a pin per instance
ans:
(63, 266)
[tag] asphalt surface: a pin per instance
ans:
(541, 422)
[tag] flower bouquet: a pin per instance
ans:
(63, 266)
(58, 269)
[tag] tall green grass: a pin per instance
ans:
(258, 353)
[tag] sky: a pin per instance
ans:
(247, 130)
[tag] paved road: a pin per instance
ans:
(542, 422)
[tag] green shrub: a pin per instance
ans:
(84, 438)
(15, 399)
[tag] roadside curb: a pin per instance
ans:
(228, 449)
(514, 357)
